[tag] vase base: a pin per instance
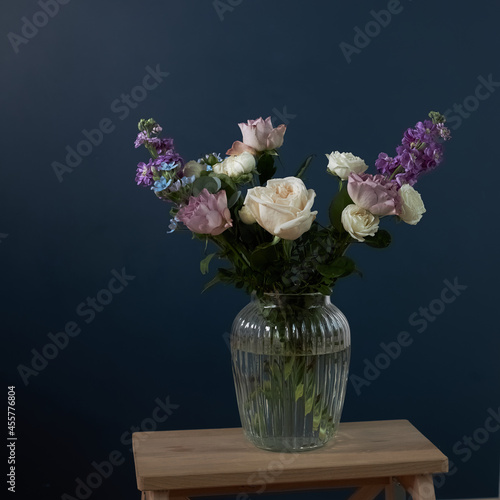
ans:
(288, 444)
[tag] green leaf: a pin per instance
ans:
(205, 263)
(227, 183)
(305, 165)
(299, 392)
(382, 239)
(211, 184)
(264, 254)
(211, 283)
(341, 266)
(234, 198)
(337, 206)
(325, 290)
(309, 405)
(266, 168)
(289, 366)
(263, 246)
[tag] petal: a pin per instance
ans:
(238, 147)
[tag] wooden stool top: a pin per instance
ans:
(222, 458)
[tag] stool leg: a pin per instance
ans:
(419, 487)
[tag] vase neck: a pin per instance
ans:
(289, 300)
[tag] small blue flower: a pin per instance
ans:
(188, 180)
(168, 166)
(173, 225)
(175, 186)
(161, 185)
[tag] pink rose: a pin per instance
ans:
(258, 135)
(374, 193)
(206, 213)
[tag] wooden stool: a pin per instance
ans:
(370, 456)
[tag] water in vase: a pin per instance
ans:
(290, 402)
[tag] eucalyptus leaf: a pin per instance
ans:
(211, 184)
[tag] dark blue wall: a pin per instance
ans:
(159, 338)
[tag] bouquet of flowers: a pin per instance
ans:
(266, 227)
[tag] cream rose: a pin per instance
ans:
(342, 164)
(358, 222)
(282, 207)
(412, 205)
(237, 165)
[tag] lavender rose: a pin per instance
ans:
(258, 135)
(206, 213)
(374, 193)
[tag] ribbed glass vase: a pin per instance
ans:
(290, 356)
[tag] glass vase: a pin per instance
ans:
(290, 357)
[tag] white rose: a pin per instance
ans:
(193, 168)
(237, 165)
(246, 216)
(342, 164)
(358, 222)
(412, 205)
(283, 207)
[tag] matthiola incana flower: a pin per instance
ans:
(421, 151)
(160, 145)
(144, 175)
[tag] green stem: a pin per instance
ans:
(240, 256)
(395, 172)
